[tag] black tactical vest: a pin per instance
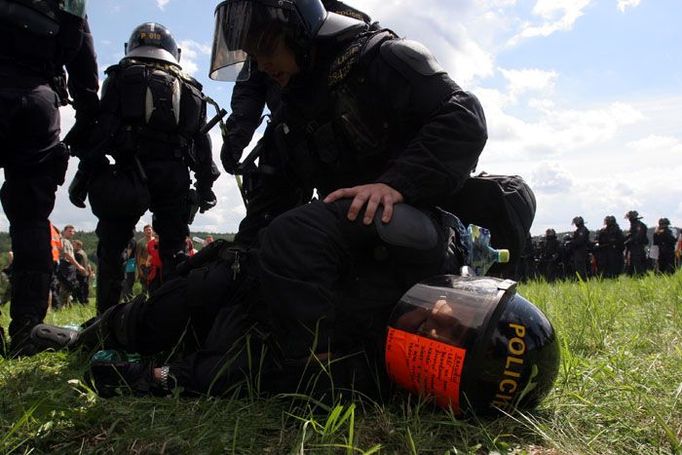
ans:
(349, 140)
(158, 100)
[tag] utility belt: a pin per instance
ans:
(29, 75)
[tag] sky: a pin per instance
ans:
(583, 98)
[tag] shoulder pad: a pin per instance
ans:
(112, 69)
(191, 81)
(409, 57)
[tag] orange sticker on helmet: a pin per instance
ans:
(425, 366)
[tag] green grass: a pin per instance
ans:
(619, 391)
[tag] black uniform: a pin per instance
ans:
(549, 257)
(664, 239)
(32, 88)
(635, 242)
(153, 150)
(580, 243)
(610, 241)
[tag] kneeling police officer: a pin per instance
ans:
(39, 39)
(151, 122)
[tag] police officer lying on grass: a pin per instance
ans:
(378, 128)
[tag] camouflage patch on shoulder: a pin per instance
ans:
(352, 14)
(345, 62)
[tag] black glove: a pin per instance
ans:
(78, 137)
(207, 199)
(230, 156)
(78, 189)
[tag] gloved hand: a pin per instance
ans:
(230, 156)
(78, 189)
(78, 137)
(207, 199)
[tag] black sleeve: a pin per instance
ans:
(271, 191)
(452, 132)
(248, 101)
(83, 76)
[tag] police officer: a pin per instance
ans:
(151, 120)
(580, 242)
(665, 240)
(39, 39)
(549, 255)
(610, 244)
(636, 241)
(384, 135)
(249, 97)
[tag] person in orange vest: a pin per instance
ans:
(56, 246)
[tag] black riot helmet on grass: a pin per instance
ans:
(473, 344)
(244, 28)
(153, 41)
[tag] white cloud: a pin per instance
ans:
(625, 4)
(551, 178)
(191, 52)
(555, 15)
(527, 80)
(162, 3)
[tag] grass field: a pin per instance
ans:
(619, 391)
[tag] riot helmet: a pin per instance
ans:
(578, 221)
(244, 28)
(153, 41)
(610, 220)
(550, 233)
(473, 344)
(664, 222)
(247, 27)
(632, 215)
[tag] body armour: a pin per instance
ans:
(351, 131)
(38, 35)
(158, 97)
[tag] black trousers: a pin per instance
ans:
(319, 284)
(168, 184)
(35, 164)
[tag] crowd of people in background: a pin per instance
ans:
(74, 273)
(608, 252)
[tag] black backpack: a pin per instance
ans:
(505, 205)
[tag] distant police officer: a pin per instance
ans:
(665, 240)
(636, 241)
(151, 120)
(549, 255)
(580, 242)
(610, 244)
(39, 38)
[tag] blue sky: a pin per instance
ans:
(583, 97)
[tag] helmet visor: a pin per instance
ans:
(433, 329)
(246, 28)
(74, 7)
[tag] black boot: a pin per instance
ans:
(108, 291)
(27, 309)
(112, 330)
